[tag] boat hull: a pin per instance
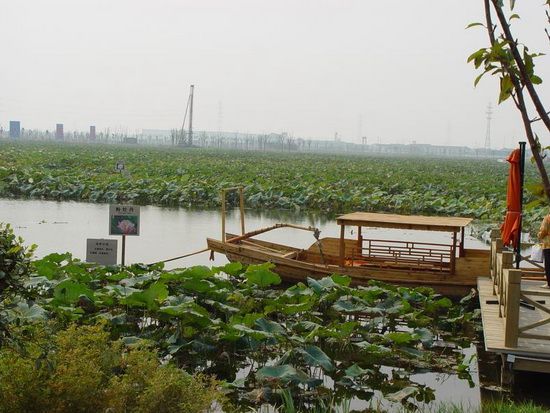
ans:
(295, 265)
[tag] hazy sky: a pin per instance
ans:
(389, 70)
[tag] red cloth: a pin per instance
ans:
(510, 228)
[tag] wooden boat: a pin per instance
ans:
(450, 268)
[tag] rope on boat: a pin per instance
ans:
(182, 256)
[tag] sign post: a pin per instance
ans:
(123, 220)
(101, 251)
(119, 167)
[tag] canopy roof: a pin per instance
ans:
(418, 222)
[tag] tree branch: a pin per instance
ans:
(537, 119)
(520, 104)
(521, 66)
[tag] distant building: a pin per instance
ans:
(92, 133)
(15, 129)
(59, 131)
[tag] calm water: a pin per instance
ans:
(169, 232)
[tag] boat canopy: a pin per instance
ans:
(417, 222)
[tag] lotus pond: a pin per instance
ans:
(318, 343)
(306, 182)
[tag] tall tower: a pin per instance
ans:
(488, 130)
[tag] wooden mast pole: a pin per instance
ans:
(453, 254)
(342, 245)
(241, 203)
(222, 196)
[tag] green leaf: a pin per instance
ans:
(399, 337)
(270, 326)
(354, 371)
(476, 55)
(425, 336)
(285, 373)
(69, 292)
(514, 16)
(233, 268)
(535, 188)
(297, 308)
(371, 348)
(506, 87)
(349, 304)
(27, 312)
(536, 80)
(261, 275)
(314, 356)
(150, 298)
(533, 204)
(46, 268)
(402, 394)
(342, 280)
(198, 285)
(478, 78)
(475, 24)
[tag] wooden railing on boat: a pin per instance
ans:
(413, 254)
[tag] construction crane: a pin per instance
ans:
(184, 140)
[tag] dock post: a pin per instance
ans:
(496, 248)
(513, 292)
(503, 261)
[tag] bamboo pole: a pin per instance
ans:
(241, 203)
(222, 196)
(266, 229)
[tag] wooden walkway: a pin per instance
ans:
(515, 311)
(494, 325)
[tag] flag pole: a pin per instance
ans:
(517, 249)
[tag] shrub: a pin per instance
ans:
(15, 258)
(82, 370)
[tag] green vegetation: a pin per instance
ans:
(82, 370)
(86, 338)
(232, 323)
(193, 178)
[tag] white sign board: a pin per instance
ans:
(123, 220)
(119, 167)
(101, 251)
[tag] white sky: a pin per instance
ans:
(310, 68)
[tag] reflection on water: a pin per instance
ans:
(170, 232)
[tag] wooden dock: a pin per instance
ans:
(515, 311)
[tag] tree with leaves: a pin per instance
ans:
(513, 63)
